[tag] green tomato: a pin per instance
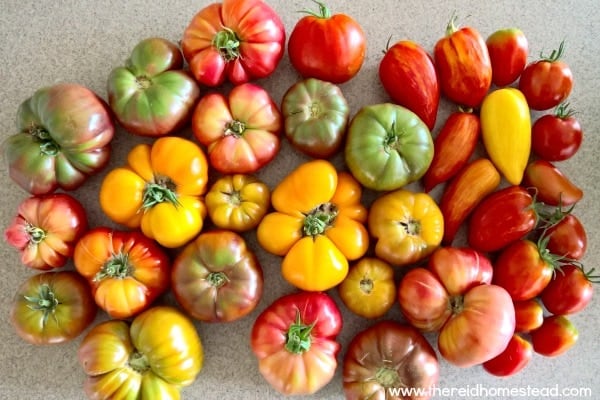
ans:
(316, 115)
(64, 136)
(387, 147)
(151, 95)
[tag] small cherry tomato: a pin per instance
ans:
(508, 49)
(567, 237)
(513, 359)
(556, 335)
(550, 185)
(529, 315)
(369, 289)
(570, 291)
(557, 136)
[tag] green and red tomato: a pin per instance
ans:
(555, 337)
(508, 49)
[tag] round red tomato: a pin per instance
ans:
(327, 47)
(570, 291)
(556, 335)
(558, 136)
(513, 359)
(567, 237)
(547, 82)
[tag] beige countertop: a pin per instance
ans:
(81, 41)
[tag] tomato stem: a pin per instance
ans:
(451, 27)
(456, 304)
(387, 377)
(298, 338)
(319, 219)
(563, 111)
(47, 145)
(116, 267)
(217, 279)
(158, 191)
(45, 301)
(366, 285)
(35, 233)
(143, 82)
(323, 12)
(138, 361)
(412, 227)
(555, 55)
(235, 128)
(228, 44)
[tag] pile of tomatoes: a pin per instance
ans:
(493, 302)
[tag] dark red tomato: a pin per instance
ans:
(513, 359)
(547, 82)
(558, 136)
(524, 269)
(327, 47)
(508, 49)
(501, 218)
(550, 185)
(529, 315)
(556, 335)
(570, 291)
(567, 237)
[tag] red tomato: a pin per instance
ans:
(463, 63)
(501, 218)
(241, 131)
(46, 229)
(570, 291)
(550, 185)
(508, 49)
(408, 75)
(524, 269)
(327, 47)
(475, 319)
(529, 315)
(512, 360)
(567, 237)
(556, 335)
(547, 82)
(235, 40)
(558, 136)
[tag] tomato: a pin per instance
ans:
(388, 356)
(241, 131)
(556, 335)
(557, 136)
(237, 202)
(475, 319)
(46, 229)
(65, 132)
(502, 217)
(295, 342)
(369, 289)
(570, 290)
(317, 225)
(52, 307)
(152, 357)
(159, 193)
(406, 226)
(127, 271)
(234, 40)
(529, 315)
(326, 46)
(550, 185)
(548, 81)
(512, 360)
(508, 49)
(463, 64)
(567, 237)
(525, 268)
(151, 95)
(387, 147)
(315, 116)
(453, 146)
(217, 278)
(408, 75)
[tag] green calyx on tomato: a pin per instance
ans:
(555, 54)
(118, 266)
(157, 192)
(228, 44)
(138, 362)
(217, 279)
(235, 128)
(297, 338)
(319, 219)
(323, 12)
(48, 146)
(45, 301)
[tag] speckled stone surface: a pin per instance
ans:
(46, 42)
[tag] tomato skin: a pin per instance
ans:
(547, 82)
(512, 360)
(369, 289)
(567, 237)
(501, 218)
(550, 185)
(217, 278)
(570, 291)
(508, 49)
(529, 315)
(463, 64)
(46, 229)
(295, 342)
(52, 307)
(328, 47)
(388, 355)
(126, 270)
(557, 136)
(408, 75)
(556, 335)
